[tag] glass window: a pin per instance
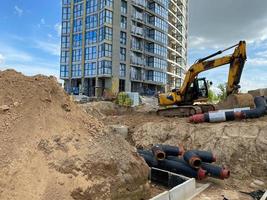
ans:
(91, 21)
(65, 41)
(91, 37)
(155, 21)
(78, 10)
(122, 54)
(106, 3)
(66, 13)
(76, 70)
(64, 71)
(66, 2)
(122, 70)
(90, 69)
(123, 38)
(105, 50)
(104, 67)
(90, 53)
(64, 58)
(105, 16)
(123, 22)
(77, 25)
(105, 33)
(65, 27)
(91, 6)
(76, 55)
(123, 7)
(77, 40)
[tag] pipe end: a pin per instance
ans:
(199, 118)
(195, 162)
(202, 174)
(225, 173)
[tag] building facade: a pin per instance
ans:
(123, 45)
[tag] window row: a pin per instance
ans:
(158, 9)
(161, 24)
(90, 69)
(158, 36)
(157, 63)
(157, 49)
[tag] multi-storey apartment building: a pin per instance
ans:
(123, 45)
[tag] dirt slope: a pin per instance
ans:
(51, 149)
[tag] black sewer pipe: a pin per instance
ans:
(192, 159)
(259, 111)
(172, 165)
(181, 168)
(216, 171)
(158, 152)
(172, 150)
(150, 160)
(205, 156)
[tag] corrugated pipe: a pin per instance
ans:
(216, 171)
(259, 111)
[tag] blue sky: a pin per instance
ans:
(30, 36)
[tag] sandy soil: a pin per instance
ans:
(52, 149)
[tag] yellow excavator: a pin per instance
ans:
(192, 97)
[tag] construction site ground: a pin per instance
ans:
(240, 146)
(52, 148)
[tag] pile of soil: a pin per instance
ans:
(51, 149)
(237, 101)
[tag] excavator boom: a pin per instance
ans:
(194, 89)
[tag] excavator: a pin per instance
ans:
(192, 97)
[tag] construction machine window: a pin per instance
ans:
(202, 88)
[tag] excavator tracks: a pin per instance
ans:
(185, 111)
(179, 111)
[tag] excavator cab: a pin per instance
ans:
(198, 91)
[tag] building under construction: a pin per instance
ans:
(134, 45)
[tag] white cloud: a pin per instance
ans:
(257, 61)
(2, 59)
(49, 47)
(58, 28)
(18, 10)
(13, 54)
(42, 21)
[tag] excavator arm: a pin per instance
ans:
(236, 61)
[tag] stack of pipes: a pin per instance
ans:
(194, 164)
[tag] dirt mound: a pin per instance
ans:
(237, 101)
(51, 149)
(242, 146)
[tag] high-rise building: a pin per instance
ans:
(123, 45)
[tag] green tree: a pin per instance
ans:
(212, 96)
(222, 95)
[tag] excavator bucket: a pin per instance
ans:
(240, 100)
